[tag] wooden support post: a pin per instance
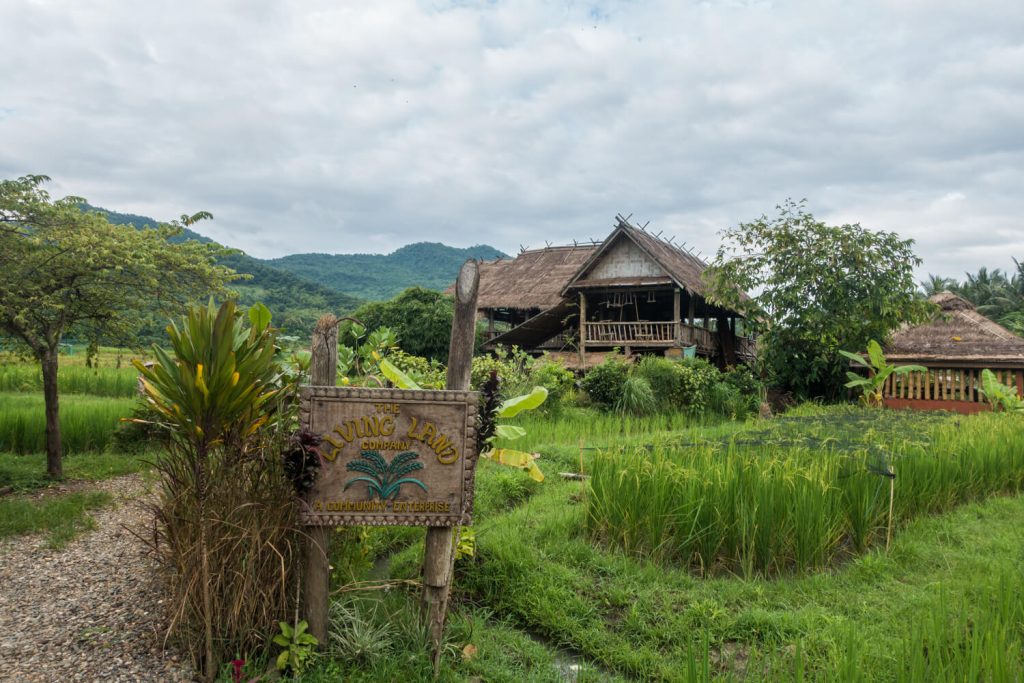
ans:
(677, 316)
(583, 330)
(316, 571)
(691, 308)
(439, 553)
(490, 324)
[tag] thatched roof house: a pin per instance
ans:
(633, 291)
(955, 346)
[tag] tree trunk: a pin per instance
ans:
(54, 467)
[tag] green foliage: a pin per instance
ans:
(428, 374)
(421, 320)
(113, 382)
(63, 269)
(299, 647)
(636, 398)
(374, 276)
(999, 395)
(821, 289)
(800, 492)
(512, 365)
(697, 377)
(88, 423)
(225, 524)
(359, 352)
(878, 371)
(604, 382)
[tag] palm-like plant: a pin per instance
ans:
(385, 479)
(878, 371)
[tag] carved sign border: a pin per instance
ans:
(471, 400)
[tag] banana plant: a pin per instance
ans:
(999, 395)
(878, 371)
(507, 410)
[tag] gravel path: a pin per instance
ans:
(89, 612)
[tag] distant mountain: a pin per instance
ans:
(300, 287)
(295, 303)
(378, 277)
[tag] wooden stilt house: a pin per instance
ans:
(633, 291)
(955, 347)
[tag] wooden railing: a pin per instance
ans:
(944, 384)
(611, 333)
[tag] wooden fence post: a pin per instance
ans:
(439, 555)
(316, 571)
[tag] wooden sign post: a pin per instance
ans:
(392, 457)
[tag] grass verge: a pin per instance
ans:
(28, 472)
(60, 517)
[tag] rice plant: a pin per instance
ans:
(761, 503)
(87, 423)
(72, 379)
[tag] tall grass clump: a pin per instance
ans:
(87, 423)
(764, 506)
(72, 379)
(227, 531)
(983, 641)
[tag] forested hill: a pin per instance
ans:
(296, 303)
(378, 276)
(300, 287)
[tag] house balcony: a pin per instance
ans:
(662, 334)
(649, 334)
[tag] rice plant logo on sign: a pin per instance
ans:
(392, 456)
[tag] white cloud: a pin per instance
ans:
(338, 127)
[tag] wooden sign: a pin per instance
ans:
(391, 456)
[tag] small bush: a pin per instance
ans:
(697, 376)
(636, 398)
(557, 379)
(513, 367)
(665, 379)
(604, 382)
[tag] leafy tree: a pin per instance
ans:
(820, 288)
(421, 319)
(62, 268)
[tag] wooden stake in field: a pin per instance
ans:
(892, 495)
(316, 571)
(439, 553)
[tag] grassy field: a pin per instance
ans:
(544, 593)
(72, 379)
(87, 422)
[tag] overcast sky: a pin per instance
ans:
(338, 126)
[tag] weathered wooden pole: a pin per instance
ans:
(316, 571)
(439, 556)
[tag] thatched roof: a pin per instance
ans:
(678, 264)
(957, 334)
(534, 279)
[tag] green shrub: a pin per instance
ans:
(604, 382)
(697, 376)
(636, 398)
(512, 365)
(557, 379)
(665, 379)
(429, 374)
